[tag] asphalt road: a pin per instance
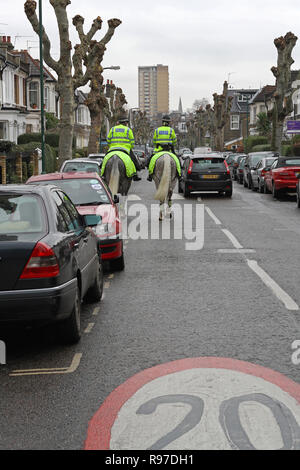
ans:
(236, 298)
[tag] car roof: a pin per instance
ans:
(208, 155)
(81, 160)
(24, 188)
(63, 176)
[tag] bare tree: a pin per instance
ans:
(283, 102)
(116, 108)
(222, 106)
(73, 71)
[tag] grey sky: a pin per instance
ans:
(202, 42)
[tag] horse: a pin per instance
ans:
(165, 178)
(117, 180)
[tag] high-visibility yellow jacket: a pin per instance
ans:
(120, 136)
(164, 135)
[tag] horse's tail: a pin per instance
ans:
(114, 176)
(164, 185)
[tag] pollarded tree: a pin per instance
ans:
(116, 108)
(96, 99)
(73, 70)
(222, 106)
(283, 102)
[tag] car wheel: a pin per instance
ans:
(260, 187)
(275, 192)
(180, 190)
(250, 184)
(186, 192)
(298, 199)
(228, 193)
(245, 184)
(69, 329)
(118, 264)
(94, 294)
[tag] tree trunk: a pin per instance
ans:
(66, 120)
(96, 123)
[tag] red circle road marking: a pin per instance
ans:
(99, 429)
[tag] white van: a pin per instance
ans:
(202, 150)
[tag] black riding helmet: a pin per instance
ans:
(166, 118)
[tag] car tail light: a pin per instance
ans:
(227, 167)
(190, 167)
(42, 263)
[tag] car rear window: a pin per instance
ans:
(82, 191)
(21, 213)
(208, 164)
(81, 166)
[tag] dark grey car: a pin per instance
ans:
(251, 161)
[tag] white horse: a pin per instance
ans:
(165, 177)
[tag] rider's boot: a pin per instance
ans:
(149, 178)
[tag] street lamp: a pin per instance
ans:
(42, 86)
(113, 67)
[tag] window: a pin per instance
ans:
(234, 122)
(33, 95)
(74, 215)
(16, 89)
(243, 98)
(46, 98)
(21, 213)
(3, 130)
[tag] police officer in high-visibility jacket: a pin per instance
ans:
(121, 137)
(164, 138)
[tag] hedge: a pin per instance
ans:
(50, 155)
(261, 148)
(253, 141)
(50, 139)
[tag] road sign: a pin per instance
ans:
(200, 404)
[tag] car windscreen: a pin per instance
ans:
(21, 213)
(202, 164)
(82, 191)
(289, 162)
(81, 166)
(242, 162)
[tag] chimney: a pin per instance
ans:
(5, 41)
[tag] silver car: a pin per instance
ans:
(81, 164)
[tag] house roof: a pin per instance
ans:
(34, 65)
(263, 94)
(240, 106)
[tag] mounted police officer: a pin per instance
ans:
(164, 138)
(121, 137)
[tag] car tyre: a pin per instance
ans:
(118, 264)
(186, 192)
(180, 190)
(245, 183)
(298, 199)
(250, 184)
(260, 187)
(94, 294)
(69, 330)
(228, 193)
(275, 192)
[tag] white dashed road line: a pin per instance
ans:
(289, 303)
(212, 215)
(232, 238)
(89, 328)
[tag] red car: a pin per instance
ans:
(92, 198)
(282, 176)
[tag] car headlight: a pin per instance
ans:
(103, 230)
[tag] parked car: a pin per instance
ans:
(298, 191)
(259, 172)
(141, 156)
(92, 198)
(240, 170)
(99, 157)
(235, 164)
(282, 176)
(202, 150)
(80, 164)
(252, 160)
(208, 172)
(50, 259)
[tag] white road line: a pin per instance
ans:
(89, 328)
(289, 303)
(134, 197)
(232, 238)
(111, 276)
(212, 215)
(236, 250)
(199, 199)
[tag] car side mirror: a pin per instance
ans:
(90, 220)
(116, 199)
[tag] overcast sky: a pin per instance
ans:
(203, 42)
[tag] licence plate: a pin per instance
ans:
(210, 177)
